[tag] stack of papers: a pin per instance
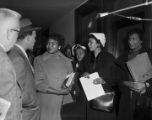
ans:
(69, 78)
(91, 90)
(4, 107)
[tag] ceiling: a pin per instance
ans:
(42, 12)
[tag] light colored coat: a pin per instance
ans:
(9, 89)
(51, 71)
(25, 78)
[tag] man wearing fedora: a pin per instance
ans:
(24, 70)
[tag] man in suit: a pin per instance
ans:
(9, 89)
(24, 69)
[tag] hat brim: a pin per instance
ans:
(28, 30)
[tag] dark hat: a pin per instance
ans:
(26, 26)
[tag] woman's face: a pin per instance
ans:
(92, 44)
(134, 41)
(80, 53)
(68, 53)
(52, 46)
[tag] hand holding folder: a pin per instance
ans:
(91, 90)
(140, 67)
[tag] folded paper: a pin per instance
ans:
(4, 107)
(91, 90)
(140, 67)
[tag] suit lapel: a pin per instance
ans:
(24, 57)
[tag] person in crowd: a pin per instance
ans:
(79, 110)
(68, 51)
(79, 52)
(9, 89)
(24, 69)
(135, 97)
(78, 93)
(103, 63)
(51, 69)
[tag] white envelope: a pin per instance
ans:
(70, 78)
(4, 107)
(91, 90)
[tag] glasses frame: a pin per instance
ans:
(15, 30)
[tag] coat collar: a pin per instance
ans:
(1, 49)
(20, 52)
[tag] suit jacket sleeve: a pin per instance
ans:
(19, 65)
(7, 76)
(40, 77)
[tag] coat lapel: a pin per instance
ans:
(18, 50)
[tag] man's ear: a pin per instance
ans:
(28, 38)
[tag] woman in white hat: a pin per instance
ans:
(103, 63)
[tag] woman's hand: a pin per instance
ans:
(148, 73)
(99, 81)
(136, 86)
(65, 91)
(86, 75)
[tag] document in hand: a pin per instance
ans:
(70, 78)
(139, 66)
(91, 90)
(4, 107)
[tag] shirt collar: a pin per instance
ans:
(3, 47)
(22, 49)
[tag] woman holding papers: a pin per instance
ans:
(135, 99)
(51, 70)
(103, 63)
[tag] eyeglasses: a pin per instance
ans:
(15, 30)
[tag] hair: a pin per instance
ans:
(68, 47)
(98, 41)
(6, 15)
(24, 34)
(57, 37)
(137, 31)
(80, 48)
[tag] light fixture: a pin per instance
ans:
(99, 15)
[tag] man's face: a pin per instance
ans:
(32, 40)
(134, 41)
(12, 33)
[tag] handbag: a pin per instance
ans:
(103, 103)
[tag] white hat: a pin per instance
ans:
(100, 36)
